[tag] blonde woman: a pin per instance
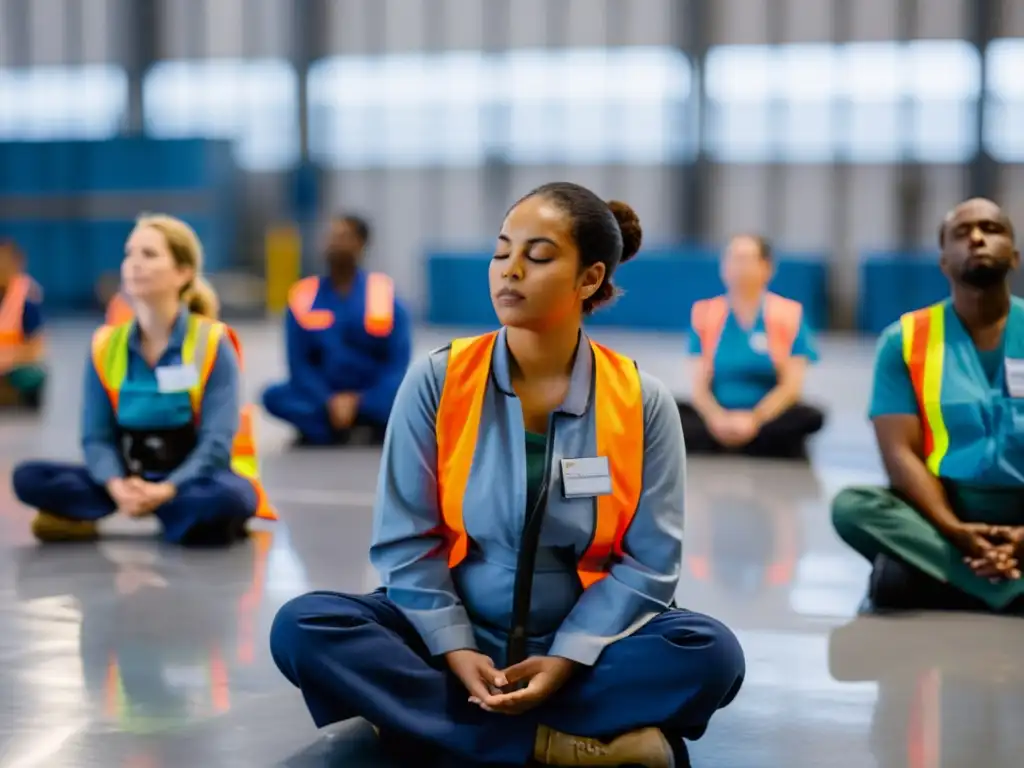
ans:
(160, 411)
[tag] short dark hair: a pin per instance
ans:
(606, 232)
(764, 245)
(952, 212)
(358, 223)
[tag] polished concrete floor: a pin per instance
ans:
(127, 654)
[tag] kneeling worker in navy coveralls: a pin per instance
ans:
(526, 462)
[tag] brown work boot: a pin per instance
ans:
(47, 527)
(646, 747)
(9, 396)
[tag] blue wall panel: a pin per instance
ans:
(894, 283)
(71, 205)
(659, 288)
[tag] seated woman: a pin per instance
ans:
(22, 347)
(752, 348)
(203, 301)
(160, 412)
(528, 531)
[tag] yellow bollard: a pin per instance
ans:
(283, 255)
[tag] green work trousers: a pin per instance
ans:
(26, 379)
(875, 521)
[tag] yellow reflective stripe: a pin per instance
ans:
(210, 348)
(195, 338)
(200, 350)
(907, 324)
(117, 356)
(933, 386)
(245, 466)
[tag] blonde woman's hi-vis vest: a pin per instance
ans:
(202, 341)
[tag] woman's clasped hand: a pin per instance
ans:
(502, 691)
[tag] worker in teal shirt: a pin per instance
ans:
(948, 410)
(22, 344)
(160, 412)
(349, 343)
(751, 349)
(527, 609)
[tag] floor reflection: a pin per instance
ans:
(949, 688)
(743, 538)
(155, 657)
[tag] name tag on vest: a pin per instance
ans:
(1014, 376)
(585, 478)
(759, 343)
(176, 378)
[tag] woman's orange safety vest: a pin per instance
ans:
(244, 458)
(378, 319)
(12, 317)
(782, 318)
(619, 415)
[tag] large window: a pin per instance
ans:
(859, 102)
(1004, 117)
(578, 106)
(54, 103)
(253, 102)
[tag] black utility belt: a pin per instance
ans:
(155, 451)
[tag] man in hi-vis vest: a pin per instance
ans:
(948, 410)
(349, 343)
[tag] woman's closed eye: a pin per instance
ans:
(536, 259)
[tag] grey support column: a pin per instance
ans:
(435, 177)
(138, 25)
(842, 251)
(777, 165)
(497, 120)
(910, 177)
(693, 36)
(984, 21)
(17, 37)
(310, 26)
(304, 187)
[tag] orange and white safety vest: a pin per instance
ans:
(202, 342)
(782, 318)
(619, 422)
(378, 318)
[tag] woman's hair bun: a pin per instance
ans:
(629, 224)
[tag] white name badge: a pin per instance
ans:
(176, 378)
(1014, 376)
(585, 478)
(759, 343)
